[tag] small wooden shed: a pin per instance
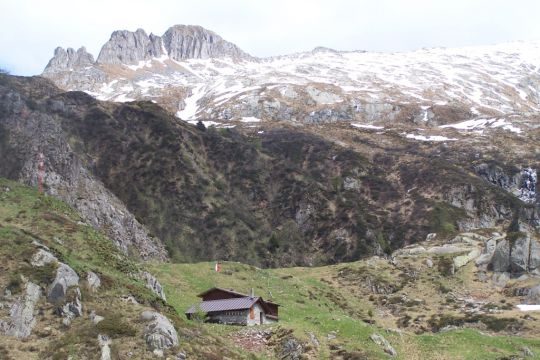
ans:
(231, 307)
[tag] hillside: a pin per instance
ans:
(423, 311)
(201, 76)
(326, 312)
(284, 196)
(68, 292)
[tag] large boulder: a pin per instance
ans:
(501, 257)
(519, 255)
(487, 252)
(159, 333)
(65, 278)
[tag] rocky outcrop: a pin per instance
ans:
(179, 42)
(195, 42)
(384, 344)
(159, 333)
(153, 284)
(517, 254)
(42, 257)
(65, 278)
(93, 280)
(68, 60)
(104, 343)
(520, 182)
(126, 47)
(291, 349)
(462, 260)
(22, 314)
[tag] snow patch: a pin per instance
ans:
(367, 126)
(483, 124)
(250, 119)
(528, 307)
(191, 108)
(429, 137)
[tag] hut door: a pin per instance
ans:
(262, 319)
(252, 313)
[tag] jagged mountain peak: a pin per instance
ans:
(127, 47)
(65, 59)
(195, 42)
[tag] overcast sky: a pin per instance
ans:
(31, 29)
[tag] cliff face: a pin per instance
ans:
(30, 125)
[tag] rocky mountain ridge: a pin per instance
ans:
(194, 73)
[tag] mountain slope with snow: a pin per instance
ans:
(430, 87)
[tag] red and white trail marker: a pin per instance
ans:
(217, 267)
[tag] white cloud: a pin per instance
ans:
(31, 29)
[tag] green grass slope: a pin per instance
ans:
(312, 301)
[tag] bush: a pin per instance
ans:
(115, 327)
(43, 275)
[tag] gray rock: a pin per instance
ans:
(95, 318)
(431, 236)
(534, 256)
(126, 47)
(22, 319)
(446, 249)
(429, 263)
(94, 282)
(519, 255)
(487, 252)
(291, 349)
(526, 352)
(195, 42)
(159, 333)
(462, 260)
(42, 257)
(501, 257)
(410, 250)
(501, 279)
(129, 299)
(65, 278)
(533, 297)
(68, 59)
(322, 97)
(352, 184)
(313, 339)
(384, 344)
(104, 343)
(153, 284)
(73, 308)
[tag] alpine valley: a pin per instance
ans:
(388, 202)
